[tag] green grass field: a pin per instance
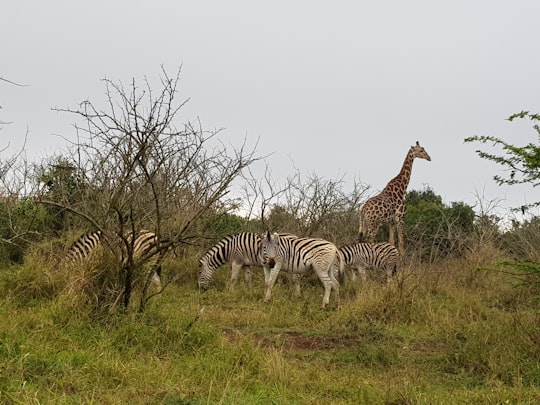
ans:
(456, 333)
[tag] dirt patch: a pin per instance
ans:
(292, 340)
(300, 341)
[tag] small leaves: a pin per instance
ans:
(523, 162)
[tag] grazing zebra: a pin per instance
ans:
(299, 255)
(241, 250)
(144, 250)
(82, 249)
(361, 256)
(146, 253)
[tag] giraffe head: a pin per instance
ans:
(418, 151)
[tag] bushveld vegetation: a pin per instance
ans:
(458, 325)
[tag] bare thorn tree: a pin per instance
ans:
(2, 79)
(16, 186)
(259, 193)
(139, 171)
(306, 206)
(321, 207)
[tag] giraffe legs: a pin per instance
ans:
(401, 244)
(395, 224)
(399, 219)
(392, 239)
(391, 234)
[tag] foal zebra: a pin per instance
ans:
(361, 256)
(145, 252)
(299, 255)
(242, 251)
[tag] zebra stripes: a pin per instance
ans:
(145, 252)
(300, 255)
(361, 256)
(242, 251)
(83, 248)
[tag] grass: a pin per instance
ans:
(452, 334)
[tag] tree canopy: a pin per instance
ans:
(521, 162)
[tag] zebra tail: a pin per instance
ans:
(340, 259)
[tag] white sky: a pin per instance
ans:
(338, 87)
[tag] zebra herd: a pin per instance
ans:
(271, 251)
(296, 255)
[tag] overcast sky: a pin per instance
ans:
(340, 88)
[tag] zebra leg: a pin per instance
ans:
(247, 275)
(362, 272)
(353, 275)
(235, 273)
(156, 278)
(390, 273)
(328, 284)
(335, 282)
(266, 274)
(271, 281)
(152, 277)
(295, 280)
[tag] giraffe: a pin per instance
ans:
(389, 205)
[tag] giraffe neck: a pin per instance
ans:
(398, 185)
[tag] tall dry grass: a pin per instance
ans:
(457, 331)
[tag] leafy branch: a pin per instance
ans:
(521, 162)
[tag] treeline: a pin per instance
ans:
(433, 229)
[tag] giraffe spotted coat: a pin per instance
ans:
(388, 207)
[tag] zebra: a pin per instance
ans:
(145, 252)
(82, 249)
(242, 251)
(299, 255)
(361, 256)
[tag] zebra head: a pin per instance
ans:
(269, 248)
(206, 274)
